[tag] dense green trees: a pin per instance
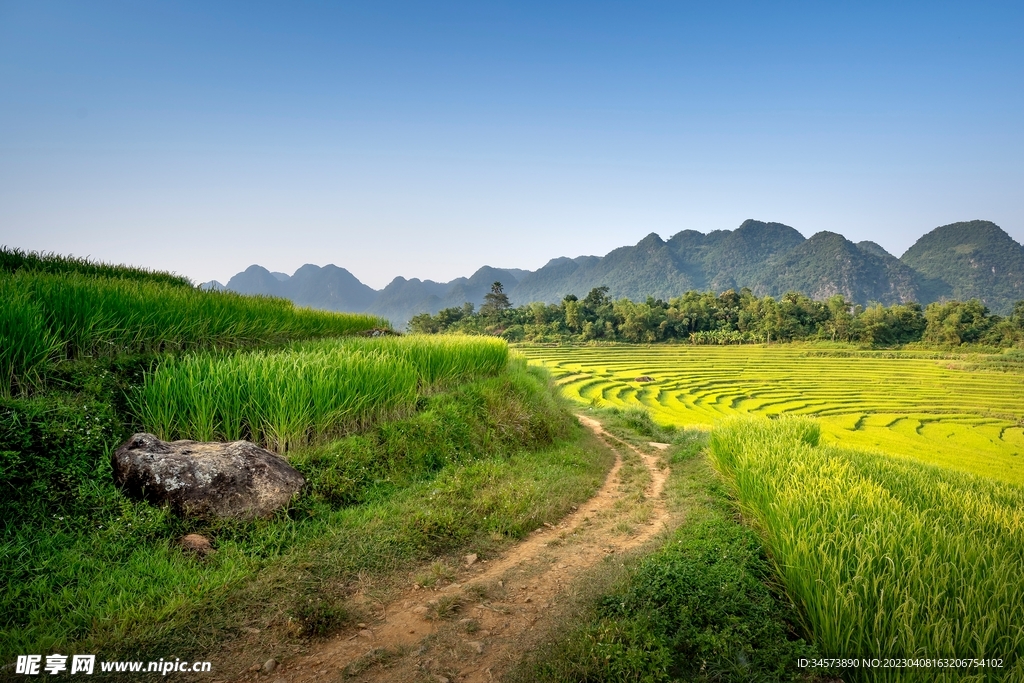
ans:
(729, 318)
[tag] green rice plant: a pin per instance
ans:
(919, 404)
(13, 260)
(280, 399)
(71, 315)
(25, 343)
(438, 359)
(308, 393)
(885, 557)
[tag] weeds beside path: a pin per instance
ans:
(489, 612)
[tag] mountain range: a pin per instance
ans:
(975, 259)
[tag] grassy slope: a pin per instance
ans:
(472, 463)
(485, 462)
(13, 260)
(915, 403)
(49, 317)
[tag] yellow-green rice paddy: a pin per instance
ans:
(916, 404)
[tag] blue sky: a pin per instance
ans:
(426, 141)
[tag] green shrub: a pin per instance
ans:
(49, 450)
(639, 420)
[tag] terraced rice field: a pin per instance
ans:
(915, 404)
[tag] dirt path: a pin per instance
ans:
(473, 629)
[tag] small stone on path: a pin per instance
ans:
(471, 559)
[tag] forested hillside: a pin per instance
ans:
(968, 260)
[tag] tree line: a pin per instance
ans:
(728, 318)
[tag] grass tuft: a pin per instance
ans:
(319, 617)
(445, 607)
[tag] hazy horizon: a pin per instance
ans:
(400, 139)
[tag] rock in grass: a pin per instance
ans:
(236, 480)
(196, 544)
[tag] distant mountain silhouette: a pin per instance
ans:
(962, 260)
(330, 288)
(402, 299)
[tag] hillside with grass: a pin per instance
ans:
(410, 447)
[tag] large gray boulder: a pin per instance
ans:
(236, 480)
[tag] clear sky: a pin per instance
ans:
(426, 140)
